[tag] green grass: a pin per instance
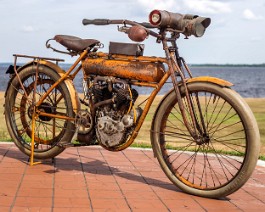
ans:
(257, 106)
(143, 139)
(262, 157)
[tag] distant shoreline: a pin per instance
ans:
(262, 65)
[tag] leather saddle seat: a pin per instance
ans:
(75, 43)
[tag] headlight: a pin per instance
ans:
(155, 17)
(187, 24)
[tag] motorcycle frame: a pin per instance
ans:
(175, 67)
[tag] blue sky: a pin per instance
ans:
(236, 34)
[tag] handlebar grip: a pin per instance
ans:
(95, 21)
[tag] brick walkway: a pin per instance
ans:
(93, 179)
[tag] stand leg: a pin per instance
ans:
(34, 116)
(33, 139)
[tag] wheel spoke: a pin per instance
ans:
(48, 130)
(182, 149)
(214, 158)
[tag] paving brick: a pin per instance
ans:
(35, 192)
(5, 201)
(103, 186)
(93, 179)
(147, 205)
(7, 190)
(68, 193)
(4, 209)
(33, 202)
(214, 204)
(71, 202)
(65, 209)
(31, 209)
(135, 187)
(132, 194)
(11, 176)
(187, 204)
(36, 185)
(110, 205)
(253, 205)
(102, 194)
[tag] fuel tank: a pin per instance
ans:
(133, 70)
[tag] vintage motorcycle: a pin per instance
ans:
(203, 133)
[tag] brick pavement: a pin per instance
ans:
(93, 179)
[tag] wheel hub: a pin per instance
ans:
(44, 107)
(204, 139)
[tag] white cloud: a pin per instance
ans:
(208, 6)
(249, 15)
(200, 6)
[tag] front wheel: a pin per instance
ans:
(223, 156)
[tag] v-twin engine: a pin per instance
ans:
(115, 116)
(113, 129)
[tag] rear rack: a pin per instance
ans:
(37, 58)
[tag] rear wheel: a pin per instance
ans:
(49, 131)
(223, 156)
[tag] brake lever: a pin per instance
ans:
(123, 29)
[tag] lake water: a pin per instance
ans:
(248, 81)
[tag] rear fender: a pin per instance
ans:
(60, 72)
(217, 81)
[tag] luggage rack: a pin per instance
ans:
(37, 58)
(14, 70)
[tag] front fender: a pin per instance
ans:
(214, 80)
(60, 72)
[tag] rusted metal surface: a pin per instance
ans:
(39, 58)
(213, 80)
(191, 129)
(69, 83)
(143, 71)
(144, 113)
(140, 71)
(137, 33)
(51, 115)
(144, 84)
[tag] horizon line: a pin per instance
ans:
(190, 64)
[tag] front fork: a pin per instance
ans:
(175, 63)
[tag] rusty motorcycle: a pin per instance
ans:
(203, 133)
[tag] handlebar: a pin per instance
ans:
(108, 21)
(95, 21)
(146, 26)
(166, 21)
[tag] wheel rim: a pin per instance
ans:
(216, 157)
(48, 131)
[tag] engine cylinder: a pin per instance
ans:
(134, 70)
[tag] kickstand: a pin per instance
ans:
(39, 162)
